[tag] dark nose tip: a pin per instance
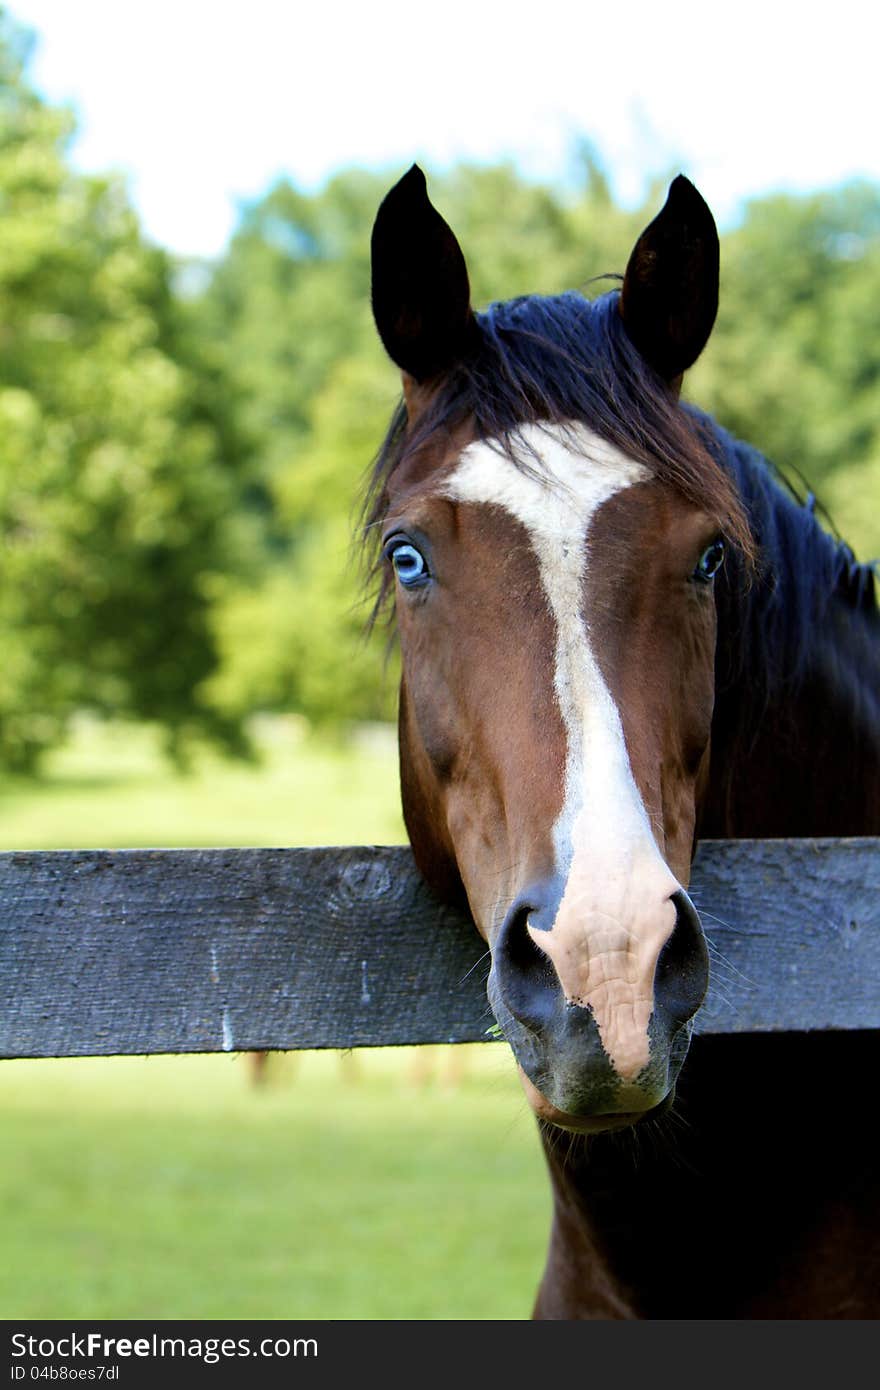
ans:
(524, 975)
(557, 1044)
(682, 974)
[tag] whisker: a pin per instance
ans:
(476, 963)
(724, 960)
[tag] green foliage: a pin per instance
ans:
(298, 640)
(794, 362)
(122, 467)
(290, 299)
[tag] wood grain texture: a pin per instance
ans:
(143, 951)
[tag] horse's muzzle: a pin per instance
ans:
(558, 1043)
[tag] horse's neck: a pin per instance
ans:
(800, 756)
(698, 1213)
(796, 730)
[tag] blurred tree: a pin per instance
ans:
(123, 470)
(290, 307)
(793, 364)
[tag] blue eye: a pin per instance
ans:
(710, 562)
(409, 564)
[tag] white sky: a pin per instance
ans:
(203, 102)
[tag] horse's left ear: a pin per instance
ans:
(421, 294)
(670, 291)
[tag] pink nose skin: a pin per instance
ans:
(605, 948)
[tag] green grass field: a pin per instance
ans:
(370, 1185)
(111, 789)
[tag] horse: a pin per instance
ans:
(621, 632)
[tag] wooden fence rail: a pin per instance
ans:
(145, 951)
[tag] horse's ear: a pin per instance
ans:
(421, 295)
(670, 291)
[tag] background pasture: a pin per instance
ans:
(375, 1184)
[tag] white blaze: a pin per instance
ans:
(615, 914)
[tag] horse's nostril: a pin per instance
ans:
(525, 974)
(682, 973)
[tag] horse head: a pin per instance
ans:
(551, 525)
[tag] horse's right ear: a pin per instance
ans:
(670, 291)
(421, 295)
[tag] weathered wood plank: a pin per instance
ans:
(138, 951)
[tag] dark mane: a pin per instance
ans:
(770, 620)
(565, 359)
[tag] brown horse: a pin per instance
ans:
(620, 631)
